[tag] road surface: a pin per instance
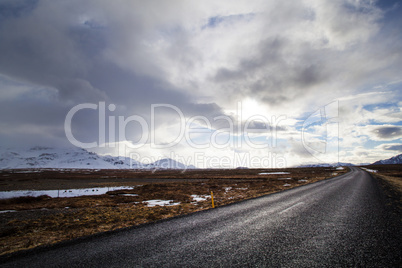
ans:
(339, 222)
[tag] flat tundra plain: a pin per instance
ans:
(149, 196)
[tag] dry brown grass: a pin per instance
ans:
(92, 214)
(390, 177)
(25, 234)
(391, 174)
(395, 182)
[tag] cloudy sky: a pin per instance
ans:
(209, 83)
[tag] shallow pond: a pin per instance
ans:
(61, 193)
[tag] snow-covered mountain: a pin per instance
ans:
(76, 158)
(121, 162)
(339, 164)
(168, 163)
(393, 160)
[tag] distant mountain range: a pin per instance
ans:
(76, 158)
(339, 164)
(393, 160)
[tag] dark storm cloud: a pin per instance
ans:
(270, 74)
(16, 8)
(46, 45)
(388, 133)
(388, 3)
(43, 47)
(291, 63)
(216, 20)
(392, 147)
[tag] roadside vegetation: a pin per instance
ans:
(390, 177)
(35, 221)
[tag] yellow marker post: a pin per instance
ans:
(212, 199)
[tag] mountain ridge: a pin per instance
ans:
(76, 158)
(393, 160)
(338, 164)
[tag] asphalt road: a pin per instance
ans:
(339, 222)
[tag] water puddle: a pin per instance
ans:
(61, 193)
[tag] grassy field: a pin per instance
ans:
(44, 220)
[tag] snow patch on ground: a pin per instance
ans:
(370, 170)
(61, 193)
(26, 171)
(6, 211)
(200, 198)
(157, 202)
(340, 168)
(273, 173)
(284, 178)
(287, 184)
